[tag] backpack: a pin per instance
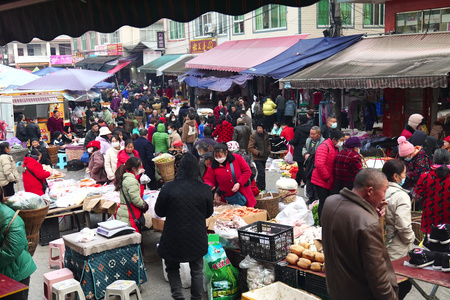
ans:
(75, 165)
(277, 144)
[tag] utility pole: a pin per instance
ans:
(336, 31)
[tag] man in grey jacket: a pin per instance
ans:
(308, 152)
(241, 134)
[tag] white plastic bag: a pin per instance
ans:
(295, 211)
(185, 274)
(258, 275)
(145, 179)
(287, 183)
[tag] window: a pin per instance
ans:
(373, 15)
(423, 21)
(75, 45)
(103, 38)
(176, 30)
(270, 17)
(115, 37)
(34, 50)
(52, 51)
(222, 24)
(20, 52)
(83, 42)
(199, 25)
(64, 49)
(92, 40)
(148, 34)
(238, 24)
(323, 13)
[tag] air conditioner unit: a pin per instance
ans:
(210, 28)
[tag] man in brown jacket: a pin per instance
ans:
(259, 147)
(190, 134)
(357, 262)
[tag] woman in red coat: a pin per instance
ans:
(219, 173)
(126, 153)
(34, 175)
(224, 131)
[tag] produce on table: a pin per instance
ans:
(303, 253)
(163, 158)
(304, 245)
(292, 258)
(304, 263)
(320, 257)
(296, 249)
(315, 212)
(316, 266)
(309, 254)
(239, 211)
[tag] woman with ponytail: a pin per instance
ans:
(433, 189)
(128, 186)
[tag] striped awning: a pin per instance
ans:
(46, 19)
(33, 100)
(396, 61)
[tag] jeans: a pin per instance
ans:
(322, 194)
(280, 115)
(261, 178)
(268, 123)
(173, 273)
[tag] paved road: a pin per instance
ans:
(156, 288)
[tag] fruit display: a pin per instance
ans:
(287, 169)
(303, 257)
(163, 158)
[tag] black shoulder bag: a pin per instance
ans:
(140, 223)
(44, 183)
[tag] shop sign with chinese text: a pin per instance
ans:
(203, 45)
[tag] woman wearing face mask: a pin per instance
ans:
(277, 129)
(111, 157)
(348, 164)
(127, 184)
(96, 162)
(105, 139)
(126, 153)
(34, 175)
(173, 134)
(416, 160)
(220, 174)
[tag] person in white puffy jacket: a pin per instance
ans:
(8, 170)
(399, 234)
(111, 157)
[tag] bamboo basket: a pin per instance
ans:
(268, 204)
(167, 170)
(33, 220)
(53, 154)
(129, 125)
(287, 196)
(139, 119)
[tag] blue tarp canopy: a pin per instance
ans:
(219, 84)
(304, 53)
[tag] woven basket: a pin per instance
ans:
(268, 201)
(167, 170)
(52, 151)
(157, 107)
(139, 119)
(33, 220)
(287, 196)
(129, 125)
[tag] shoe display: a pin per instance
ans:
(434, 246)
(445, 262)
(420, 258)
(438, 259)
(440, 234)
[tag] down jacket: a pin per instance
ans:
(190, 133)
(111, 162)
(399, 233)
(160, 139)
(97, 167)
(31, 184)
(323, 174)
(15, 261)
(259, 146)
(358, 265)
(123, 156)
(224, 132)
(132, 191)
(269, 107)
(8, 170)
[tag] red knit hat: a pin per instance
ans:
(447, 139)
(162, 119)
(93, 144)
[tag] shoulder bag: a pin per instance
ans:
(140, 223)
(237, 198)
(44, 182)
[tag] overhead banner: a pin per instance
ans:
(203, 45)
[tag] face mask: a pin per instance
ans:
(221, 113)
(173, 120)
(115, 144)
(408, 158)
(275, 127)
(90, 150)
(334, 125)
(403, 182)
(340, 144)
(359, 150)
(169, 131)
(199, 154)
(141, 171)
(220, 160)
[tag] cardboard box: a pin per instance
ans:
(158, 224)
(261, 216)
(99, 206)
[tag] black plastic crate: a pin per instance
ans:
(49, 231)
(266, 241)
(287, 275)
(316, 285)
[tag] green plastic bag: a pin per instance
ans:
(222, 277)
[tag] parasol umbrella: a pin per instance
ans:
(13, 76)
(46, 71)
(71, 79)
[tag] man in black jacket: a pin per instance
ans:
(91, 134)
(33, 130)
(329, 127)
(299, 140)
(146, 150)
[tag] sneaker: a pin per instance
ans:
(438, 259)
(420, 258)
(440, 234)
(434, 246)
(445, 263)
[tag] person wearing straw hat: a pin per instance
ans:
(15, 260)
(104, 138)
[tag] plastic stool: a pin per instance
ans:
(122, 288)
(62, 160)
(53, 277)
(19, 164)
(56, 260)
(66, 287)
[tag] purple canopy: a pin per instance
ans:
(71, 79)
(219, 84)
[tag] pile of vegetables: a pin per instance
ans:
(300, 255)
(315, 212)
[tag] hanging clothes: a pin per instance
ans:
(370, 115)
(344, 119)
(324, 111)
